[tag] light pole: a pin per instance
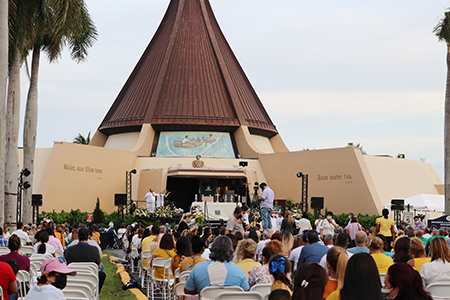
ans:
(20, 187)
(129, 205)
(303, 191)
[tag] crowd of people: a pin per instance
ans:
(63, 244)
(299, 260)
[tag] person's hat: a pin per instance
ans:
(57, 265)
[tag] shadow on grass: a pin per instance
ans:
(112, 288)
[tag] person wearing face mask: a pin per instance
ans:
(328, 225)
(53, 279)
(404, 283)
(418, 224)
(234, 223)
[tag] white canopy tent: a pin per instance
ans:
(424, 202)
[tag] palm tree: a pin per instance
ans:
(3, 85)
(56, 23)
(82, 140)
(442, 31)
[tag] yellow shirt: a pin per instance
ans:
(385, 226)
(330, 287)
(164, 253)
(60, 237)
(383, 262)
(145, 246)
(189, 263)
(420, 261)
(336, 295)
(247, 264)
(280, 285)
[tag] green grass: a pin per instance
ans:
(112, 287)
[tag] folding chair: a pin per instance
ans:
(40, 257)
(263, 289)
(178, 290)
(73, 282)
(166, 281)
(146, 257)
(211, 292)
(382, 275)
(59, 253)
(1, 293)
(33, 273)
(439, 289)
(74, 293)
(240, 295)
(26, 250)
(81, 286)
(184, 276)
(87, 277)
(4, 250)
(81, 266)
(24, 280)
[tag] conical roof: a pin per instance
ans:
(188, 79)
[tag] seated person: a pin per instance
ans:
(198, 246)
(217, 271)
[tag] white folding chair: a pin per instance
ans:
(211, 292)
(184, 276)
(81, 266)
(33, 273)
(439, 289)
(24, 279)
(4, 250)
(40, 257)
(71, 293)
(146, 257)
(1, 293)
(73, 282)
(382, 276)
(59, 253)
(81, 286)
(26, 250)
(178, 290)
(166, 281)
(240, 295)
(87, 276)
(263, 289)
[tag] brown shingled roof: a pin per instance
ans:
(188, 79)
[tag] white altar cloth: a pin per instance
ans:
(217, 210)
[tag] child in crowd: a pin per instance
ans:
(279, 267)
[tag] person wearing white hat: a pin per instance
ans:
(53, 279)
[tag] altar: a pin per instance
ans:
(216, 210)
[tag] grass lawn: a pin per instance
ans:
(112, 288)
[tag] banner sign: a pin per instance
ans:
(437, 223)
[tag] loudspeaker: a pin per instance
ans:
(317, 202)
(397, 204)
(36, 200)
(120, 199)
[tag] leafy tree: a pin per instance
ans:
(98, 214)
(82, 140)
(442, 31)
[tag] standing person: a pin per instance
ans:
(353, 227)
(328, 225)
(267, 197)
(418, 224)
(304, 223)
(318, 223)
(150, 199)
(385, 226)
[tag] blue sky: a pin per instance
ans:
(328, 72)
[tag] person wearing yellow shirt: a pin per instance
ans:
(245, 252)
(419, 257)
(385, 226)
(165, 250)
(382, 261)
(198, 246)
(145, 244)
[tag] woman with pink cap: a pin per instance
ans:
(53, 279)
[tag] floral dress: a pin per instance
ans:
(259, 275)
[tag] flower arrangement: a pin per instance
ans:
(255, 214)
(199, 221)
(197, 214)
(141, 212)
(296, 213)
(166, 211)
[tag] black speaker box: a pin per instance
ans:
(36, 200)
(397, 204)
(120, 199)
(317, 202)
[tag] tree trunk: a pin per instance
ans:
(447, 137)
(29, 134)
(12, 136)
(3, 84)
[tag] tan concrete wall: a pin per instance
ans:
(122, 141)
(396, 178)
(155, 178)
(262, 143)
(76, 175)
(334, 174)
